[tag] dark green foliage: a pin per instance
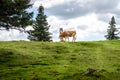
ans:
(41, 27)
(112, 30)
(14, 15)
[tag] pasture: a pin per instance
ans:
(21, 60)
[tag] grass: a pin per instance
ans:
(21, 60)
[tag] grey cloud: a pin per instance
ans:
(103, 17)
(103, 6)
(106, 18)
(74, 9)
(66, 10)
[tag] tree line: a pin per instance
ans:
(14, 15)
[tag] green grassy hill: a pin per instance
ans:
(21, 60)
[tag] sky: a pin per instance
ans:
(90, 18)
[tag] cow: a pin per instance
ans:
(66, 34)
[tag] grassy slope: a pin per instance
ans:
(59, 61)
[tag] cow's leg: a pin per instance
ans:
(62, 39)
(68, 39)
(74, 38)
(65, 38)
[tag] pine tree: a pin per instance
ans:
(41, 27)
(14, 15)
(112, 31)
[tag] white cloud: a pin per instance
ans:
(47, 3)
(86, 26)
(118, 6)
(12, 35)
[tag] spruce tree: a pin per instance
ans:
(40, 30)
(14, 15)
(112, 31)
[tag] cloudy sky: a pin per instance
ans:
(89, 18)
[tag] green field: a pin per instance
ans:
(22, 60)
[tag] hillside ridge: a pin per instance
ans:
(59, 60)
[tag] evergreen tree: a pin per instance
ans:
(14, 15)
(41, 27)
(112, 31)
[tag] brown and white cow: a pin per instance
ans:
(66, 34)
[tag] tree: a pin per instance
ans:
(112, 31)
(14, 15)
(40, 30)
